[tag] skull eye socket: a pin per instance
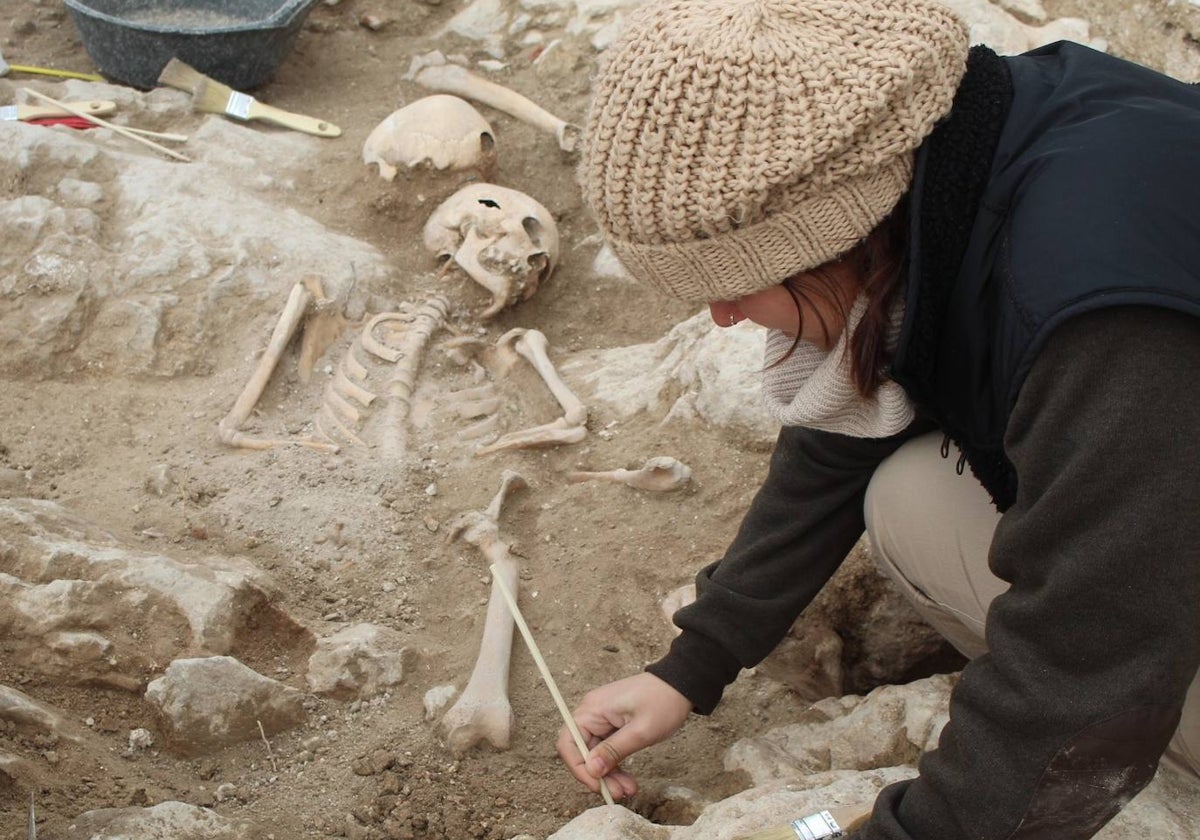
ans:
(533, 228)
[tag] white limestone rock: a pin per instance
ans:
(77, 604)
(165, 821)
(697, 371)
(889, 727)
(31, 717)
(359, 662)
(98, 261)
(1006, 34)
(207, 703)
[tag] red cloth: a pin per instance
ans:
(70, 122)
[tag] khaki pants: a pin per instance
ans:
(930, 531)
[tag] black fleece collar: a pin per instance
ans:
(952, 171)
(951, 174)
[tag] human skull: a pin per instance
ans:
(443, 132)
(504, 240)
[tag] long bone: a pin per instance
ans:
(571, 427)
(660, 475)
(483, 711)
(533, 345)
(228, 429)
(453, 79)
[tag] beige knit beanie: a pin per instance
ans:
(733, 143)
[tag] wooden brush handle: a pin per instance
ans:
(93, 108)
(299, 122)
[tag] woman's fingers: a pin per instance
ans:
(617, 720)
(620, 783)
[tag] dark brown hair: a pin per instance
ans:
(879, 261)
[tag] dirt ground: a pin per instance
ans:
(350, 540)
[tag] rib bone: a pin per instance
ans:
(483, 712)
(450, 78)
(660, 475)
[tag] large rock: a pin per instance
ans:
(30, 717)
(697, 371)
(1008, 34)
(165, 821)
(843, 751)
(207, 703)
(358, 662)
(78, 605)
(120, 261)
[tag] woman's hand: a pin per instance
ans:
(617, 720)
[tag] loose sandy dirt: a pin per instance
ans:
(350, 540)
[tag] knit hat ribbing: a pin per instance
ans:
(733, 143)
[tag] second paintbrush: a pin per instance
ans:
(213, 97)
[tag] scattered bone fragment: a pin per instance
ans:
(323, 325)
(483, 712)
(140, 739)
(437, 699)
(440, 131)
(660, 474)
(504, 240)
(452, 79)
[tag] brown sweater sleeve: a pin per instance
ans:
(802, 523)
(1093, 647)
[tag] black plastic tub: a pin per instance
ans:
(238, 42)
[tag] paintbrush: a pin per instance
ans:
(21, 111)
(215, 98)
(835, 822)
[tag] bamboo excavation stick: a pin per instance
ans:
(546, 677)
(118, 129)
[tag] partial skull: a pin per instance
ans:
(442, 132)
(504, 240)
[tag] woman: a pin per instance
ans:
(946, 246)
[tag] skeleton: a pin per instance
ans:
(339, 418)
(440, 131)
(504, 240)
(483, 712)
(450, 78)
(660, 475)
(484, 401)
